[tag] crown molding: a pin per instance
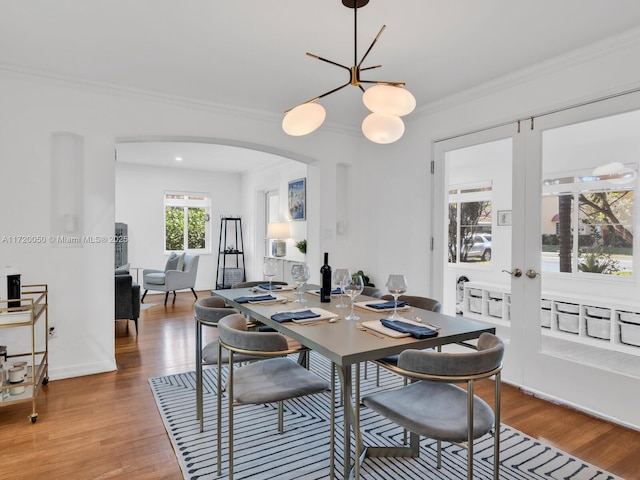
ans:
(627, 39)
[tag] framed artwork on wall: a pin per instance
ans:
(297, 199)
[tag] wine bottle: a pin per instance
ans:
(325, 273)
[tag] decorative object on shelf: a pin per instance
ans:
(302, 245)
(297, 199)
(387, 100)
(279, 232)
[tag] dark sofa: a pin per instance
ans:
(127, 301)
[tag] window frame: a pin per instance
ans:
(188, 201)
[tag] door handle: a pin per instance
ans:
(516, 272)
(531, 273)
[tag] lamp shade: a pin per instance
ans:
(388, 99)
(382, 128)
(278, 230)
(303, 119)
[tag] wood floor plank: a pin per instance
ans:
(107, 426)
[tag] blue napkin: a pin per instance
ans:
(335, 291)
(287, 316)
(266, 286)
(414, 330)
(387, 305)
(255, 298)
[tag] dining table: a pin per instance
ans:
(347, 344)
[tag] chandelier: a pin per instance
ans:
(388, 101)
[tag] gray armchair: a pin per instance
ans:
(127, 299)
(179, 274)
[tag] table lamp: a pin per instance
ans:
(278, 232)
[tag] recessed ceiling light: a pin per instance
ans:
(178, 159)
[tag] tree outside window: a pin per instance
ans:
(594, 232)
(186, 222)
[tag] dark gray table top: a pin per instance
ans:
(341, 342)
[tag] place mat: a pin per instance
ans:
(280, 288)
(375, 325)
(366, 306)
(255, 298)
(416, 330)
(312, 314)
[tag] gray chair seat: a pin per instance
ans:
(274, 380)
(438, 410)
(155, 278)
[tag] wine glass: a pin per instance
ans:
(353, 288)
(396, 285)
(341, 278)
(300, 273)
(270, 268)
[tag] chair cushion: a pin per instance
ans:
(435, 410)
(154, 278)
(274, 380)
(172, 262)
(180, 264)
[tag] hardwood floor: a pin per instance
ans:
(107, 426)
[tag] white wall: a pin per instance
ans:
(81, 279)
(139, 203)
(254, 185)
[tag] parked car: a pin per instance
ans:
(479, 248)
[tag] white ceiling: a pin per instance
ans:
(251, 54)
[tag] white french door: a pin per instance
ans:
(556, 306)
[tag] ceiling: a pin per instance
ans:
(251, 55)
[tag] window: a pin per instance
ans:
(470, 225)
(186, 218)
(587, 226)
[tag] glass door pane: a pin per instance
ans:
(476, 214)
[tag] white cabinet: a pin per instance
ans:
(602, 322)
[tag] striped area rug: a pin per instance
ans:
(302, 452)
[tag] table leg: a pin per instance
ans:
(351, 414)
(199, 406)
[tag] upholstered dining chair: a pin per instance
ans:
(208, 312)
(273, 379)
(370, 291)
(179, 274)
(425, 303)
(434, 407)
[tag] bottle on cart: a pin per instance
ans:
(325, 273)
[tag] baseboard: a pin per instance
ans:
(81, 370)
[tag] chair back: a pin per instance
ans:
(370, 291)
(425, 303)
(453, 367)
(190, 263)
(234, 336)
(210, 310)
